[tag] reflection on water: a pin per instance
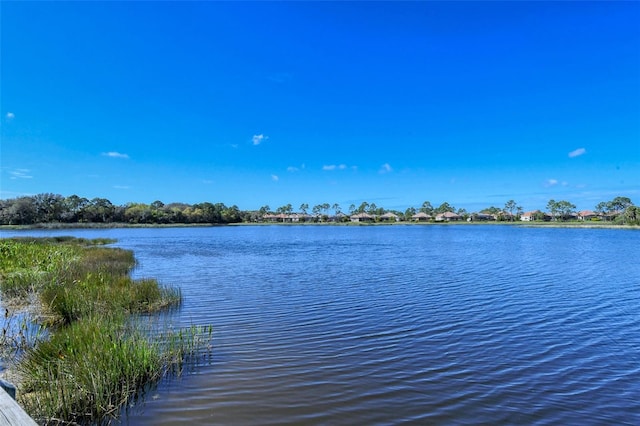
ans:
(423, 324)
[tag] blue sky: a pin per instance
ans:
(473, 103)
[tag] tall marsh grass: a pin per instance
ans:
(95, 358)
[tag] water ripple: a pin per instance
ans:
(400, 325)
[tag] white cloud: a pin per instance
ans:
(386, 168)
(207, 181)
(551, 182)
(20, 174)
(258, 139)
(293, 169)
(10, 116)
(577, 152)
(121, 187)
(114, 154)
(330, 167)
(275, 178)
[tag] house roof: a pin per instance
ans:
(449, 215)
(421, 215)
(362, 216)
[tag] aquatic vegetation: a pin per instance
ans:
(90, 369)
(94, 358)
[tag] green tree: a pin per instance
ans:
(565, 209)
(427, 208)
(364, 206)
(264, 210)
(304, 207)
(632, 215)
(158, 214)
(99, 210)
(552, 206)
(619, 204)
(137, 213)
(602, 208)
(408, 213)
(232, 215)
(286, 209)
(491, 210)
(21, 211)
(175, 212)
(49, 207)
(73, 208)
(463, 213)
(510, 206)
(444, 207)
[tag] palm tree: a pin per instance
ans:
(553, 208)
(510, 206)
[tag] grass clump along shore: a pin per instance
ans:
(93, 355)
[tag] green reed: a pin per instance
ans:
(95, 358)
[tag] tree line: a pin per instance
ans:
(52, 208)
(47, 208)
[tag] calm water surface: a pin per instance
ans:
(399, 324)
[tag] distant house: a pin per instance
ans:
(447, 217)
(535, 215)
(390, 217)
(504, 215)
(362, 217)
(421, 217)
(339, 217)
(483, 217)
(572, 216)
(611, 215)
(282, 217)
(270, 218)
(586, 215)
(300, 217)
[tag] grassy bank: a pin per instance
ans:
(93, 356)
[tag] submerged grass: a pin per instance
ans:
(95, 358)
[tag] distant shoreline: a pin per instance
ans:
(121, 225)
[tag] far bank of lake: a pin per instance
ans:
(117, 225)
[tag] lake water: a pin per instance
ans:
(398, 324)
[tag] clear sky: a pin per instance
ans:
(473, 103)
